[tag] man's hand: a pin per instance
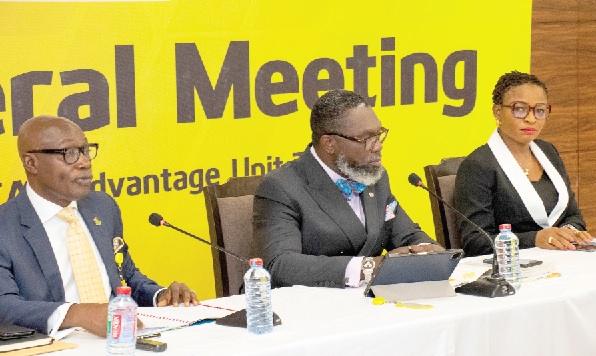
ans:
(175, 294)
(90, 316)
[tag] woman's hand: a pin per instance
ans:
(581, 237)
(561, 238)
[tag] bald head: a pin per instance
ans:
(43, 132)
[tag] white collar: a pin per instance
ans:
(334, 176)
(45, 209)
(524, 187)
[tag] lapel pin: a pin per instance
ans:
(117, 243)
(371, 194)
(97, 221)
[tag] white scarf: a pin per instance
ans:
(524, 187)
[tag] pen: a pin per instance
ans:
(148, 336)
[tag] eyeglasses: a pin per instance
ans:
(369, 142)
(71, 154)
(520, 110)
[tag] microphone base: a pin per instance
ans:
(489, 287)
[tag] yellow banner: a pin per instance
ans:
(182, 94)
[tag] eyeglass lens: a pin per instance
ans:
(371, 141)
(521, 110)
(71, 155)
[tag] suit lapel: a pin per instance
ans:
(36, 236)
(100, 228)
(331, 201)
(373, 220)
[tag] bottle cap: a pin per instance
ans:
(256, 262)
(123, 290)
(505, 227)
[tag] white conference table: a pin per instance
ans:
(554, 316)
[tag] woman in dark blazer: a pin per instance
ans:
(516, 178)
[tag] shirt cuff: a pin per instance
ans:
(56, 319)
(155, 297)
(352, 276)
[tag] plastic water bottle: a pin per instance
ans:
(257, 284)
(507, 245)
(122, 323)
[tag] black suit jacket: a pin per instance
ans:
(307, 233)
(484, 194)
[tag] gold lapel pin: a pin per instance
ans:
(97, 221)
(371, 194)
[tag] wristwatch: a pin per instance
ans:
(368, 265)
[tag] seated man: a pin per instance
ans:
(57, 267)
(312, 225)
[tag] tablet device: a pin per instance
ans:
(399, 268)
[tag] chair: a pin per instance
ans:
(440, 178)
(229, 213)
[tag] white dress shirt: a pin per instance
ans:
(352, 274)
(56, 230)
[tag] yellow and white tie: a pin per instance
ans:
(82, 258)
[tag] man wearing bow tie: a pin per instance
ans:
(316, 218)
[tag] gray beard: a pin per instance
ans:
(366, 175)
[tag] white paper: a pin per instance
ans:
(166, 318)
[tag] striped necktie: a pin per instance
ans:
(82, 259)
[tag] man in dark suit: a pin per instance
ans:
(38, 288)
(314, 227)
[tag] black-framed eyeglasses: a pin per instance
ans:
(369, 142)
(71, 154)
(520, 110)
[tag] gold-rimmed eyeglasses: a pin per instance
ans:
(369, 142)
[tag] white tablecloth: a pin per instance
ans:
(555, 316)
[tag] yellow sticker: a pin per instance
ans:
(379, 301)
(413, 305)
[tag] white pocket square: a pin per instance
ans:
(390, 210)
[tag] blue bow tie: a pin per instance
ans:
(349, 188)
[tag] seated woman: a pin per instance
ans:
(516, 178)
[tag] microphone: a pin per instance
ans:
(232, 319)
(158, 220)
(490, 286)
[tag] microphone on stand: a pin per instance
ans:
(158, 220)
(490, 286)
(237, 318)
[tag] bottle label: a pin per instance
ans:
(122, 327)
(116, 326)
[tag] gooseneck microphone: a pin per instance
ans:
(158, 220)
(490, 286)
